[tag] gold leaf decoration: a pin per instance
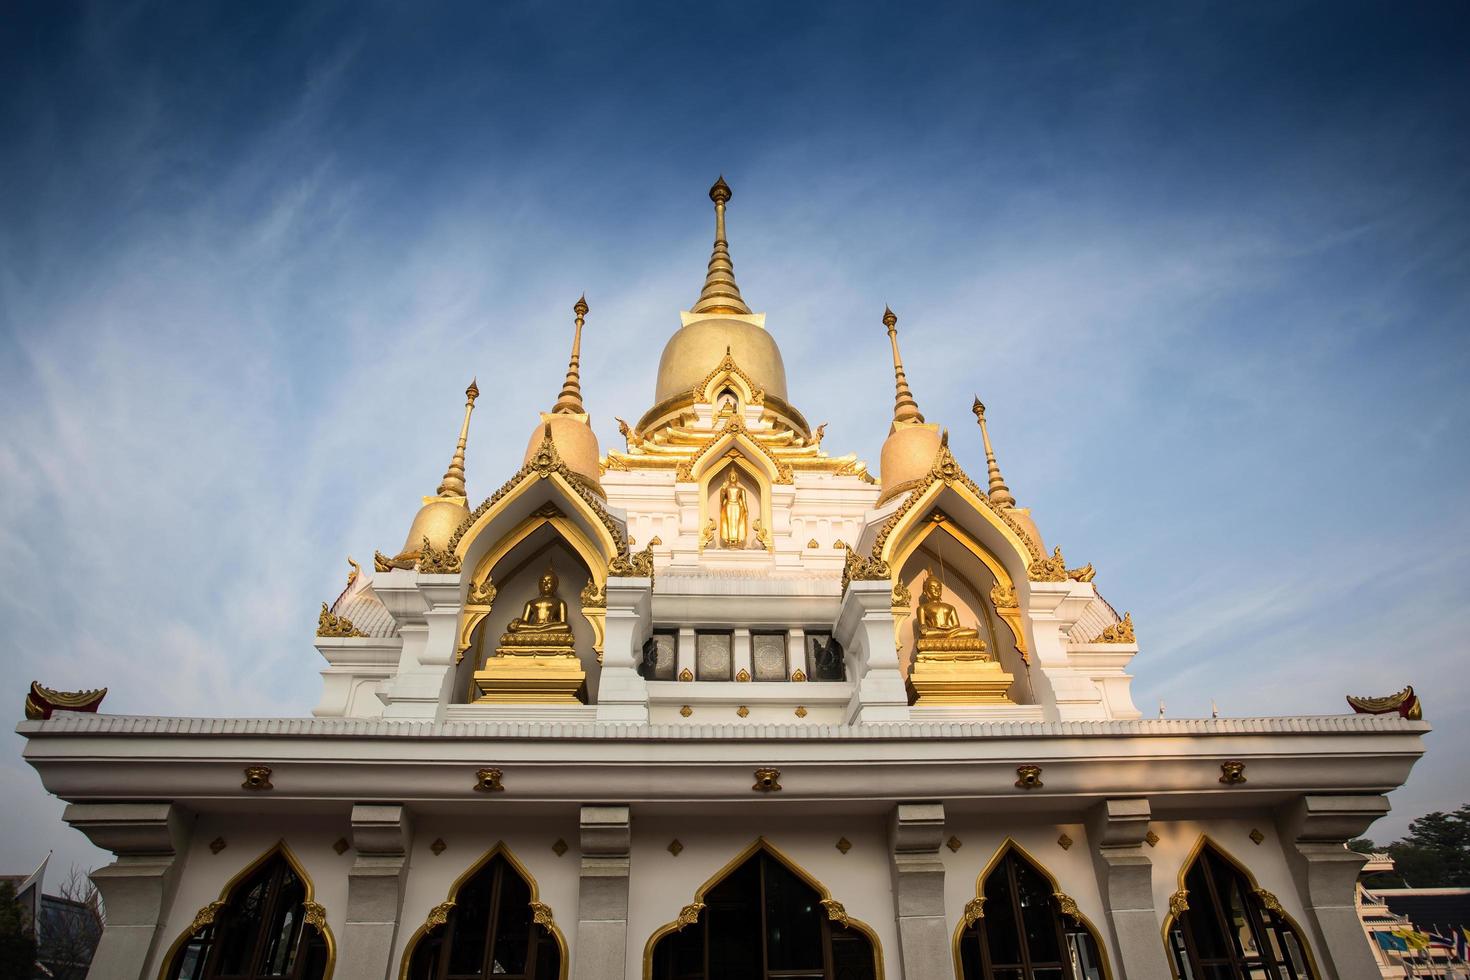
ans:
(675, 847)
(1053, 569)
(1065, 841)
(902, 597)
(314, 915)
(1068, 906)
(1179, 902)
(856, 568)
(1270, 901)
(835, 912)
(639, 564)
(1119, 632)
(382, 563)
(328, 624)
(1028, 777)
(433, 561)
(743, 676)
(594, 596)
(482, 593)
(1004, 596)
(689, 914)
(206, 916)
(1405, 702)
(767, 780)
(559, 848)
(974, 910)
(257, 779)
(541, 913)
(438, 915)
(488, 780)
(1232, 773)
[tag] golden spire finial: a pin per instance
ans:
(570, 400)
(1000, 494)
(720, 294)
(905, 409)
(453, 483)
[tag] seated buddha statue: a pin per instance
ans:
(938, 625)
(543, 621)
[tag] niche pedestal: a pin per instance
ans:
(951, 672)
(532, 668)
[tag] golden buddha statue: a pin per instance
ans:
(542, 625)
(536, 662)
(938, 625)
(734, 516)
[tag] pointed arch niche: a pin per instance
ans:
(507, 575)
(1221, 923)
(761, 916)
(491, 924)
(265, 923)
(975, 582)
(1021, 926)
(755, 473)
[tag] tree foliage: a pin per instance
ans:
(1434, 854)
(17, 942)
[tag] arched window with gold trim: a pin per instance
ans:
(265, 927)
(491, 927)
(1021, 927)
(1222, 927)
(762, 921)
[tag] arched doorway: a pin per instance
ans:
(1223, 927)
(1021, 927)
(762, 920)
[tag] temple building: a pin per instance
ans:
(724, 703)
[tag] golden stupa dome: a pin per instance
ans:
(574, 442)
(436, 520)
(698, 348)
(908, 456)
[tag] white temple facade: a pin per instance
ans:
(722, 704)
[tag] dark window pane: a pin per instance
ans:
(1002, 932)
(471, 924)
(1038, 913)
(240, 929)
(283, 932)
(512, 926)
(793, 921)
(852, 956)
(1087, 961)
(734, 911)
(548, 957)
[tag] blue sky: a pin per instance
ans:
(1207, 264)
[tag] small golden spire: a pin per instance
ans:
(570, 400)
(720, 294)
(905, 409)
(1000, 494)
(453, 483)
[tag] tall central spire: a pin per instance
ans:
(720, 294)
(570, 401)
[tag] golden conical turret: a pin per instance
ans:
(999, 494)
(905, 409)
(570, 400)
(453, 483)
(720, 294)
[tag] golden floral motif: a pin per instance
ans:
(438, 847)
(1257, 838)
(314, 915)
(902, 597)
(954, 844)
(801, 711)
(1065, 841)
(1053, 569)
(1067, 906)
(708, 534)
(341, 846)
(675, 847)
(1028, 777)
(1232, 773)
(1084, 574)
(974, 910)
(257, 779)
(541, 913)
(1119, 632)
(734, 426)
(859, 569)
(689, 914)
(488, 780)
(433, 561)
(206, 916)
(439, 915)
(843, 844)
(835, 912)
(639, 564)
(328, 624)
(813, 543)
(1179, 902)
(548, 511)
(1004, 596)
(743, 711)
(686, 711)
(482, 593)
(1151, 838)
(798, 675)
(594, 596)
(686, 675)
(1270, 901)
(744, 675)
(767, 780)
(560, 847)
(727, 366)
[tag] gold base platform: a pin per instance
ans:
(532, 673)
(957, 677)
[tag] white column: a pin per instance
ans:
(602, 894)
(622, 695)
(1326, 875)
(1116, 831)
(426, 609)
(796, 652)
(918, 891)
(138, 888)
(684, 659)
(1067, 692)
(866, 631)
(382, 836)
(740, 653)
